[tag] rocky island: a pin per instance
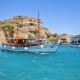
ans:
(27, 27)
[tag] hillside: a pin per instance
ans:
(27, 27)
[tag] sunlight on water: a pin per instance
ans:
(62, 65)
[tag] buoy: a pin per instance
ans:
(41, 46)
(25, 48)
(13, 47)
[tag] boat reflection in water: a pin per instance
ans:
(29, 45)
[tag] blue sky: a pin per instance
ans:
(59, 16)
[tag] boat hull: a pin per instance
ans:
(35, 49)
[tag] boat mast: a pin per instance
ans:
(38, 28)
(38, 20)
(17, 29)
(19, 25)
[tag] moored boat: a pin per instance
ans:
(28, 45)
(39, 48)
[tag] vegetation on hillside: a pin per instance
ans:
(30, 27)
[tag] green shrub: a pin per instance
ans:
(32, 24)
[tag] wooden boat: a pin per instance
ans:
(35, 49)
(28, 45)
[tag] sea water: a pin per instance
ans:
(62, 65)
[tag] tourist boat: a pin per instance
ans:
(29, 45)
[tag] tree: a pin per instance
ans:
(30, 36)
(10, 30)
(32, 24)
(55, 34)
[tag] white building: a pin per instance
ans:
(76, 40)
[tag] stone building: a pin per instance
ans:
(65, 38)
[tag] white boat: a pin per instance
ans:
(35, 49)
(77, 46)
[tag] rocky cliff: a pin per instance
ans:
(27, 27)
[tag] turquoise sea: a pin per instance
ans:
(62, 65)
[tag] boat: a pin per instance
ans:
(73, 45)
(29, 45)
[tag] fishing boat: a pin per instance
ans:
(28, 45)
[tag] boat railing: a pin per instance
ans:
(8, 44)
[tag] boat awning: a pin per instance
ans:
(19, 37)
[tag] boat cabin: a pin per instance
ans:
(25, 42)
